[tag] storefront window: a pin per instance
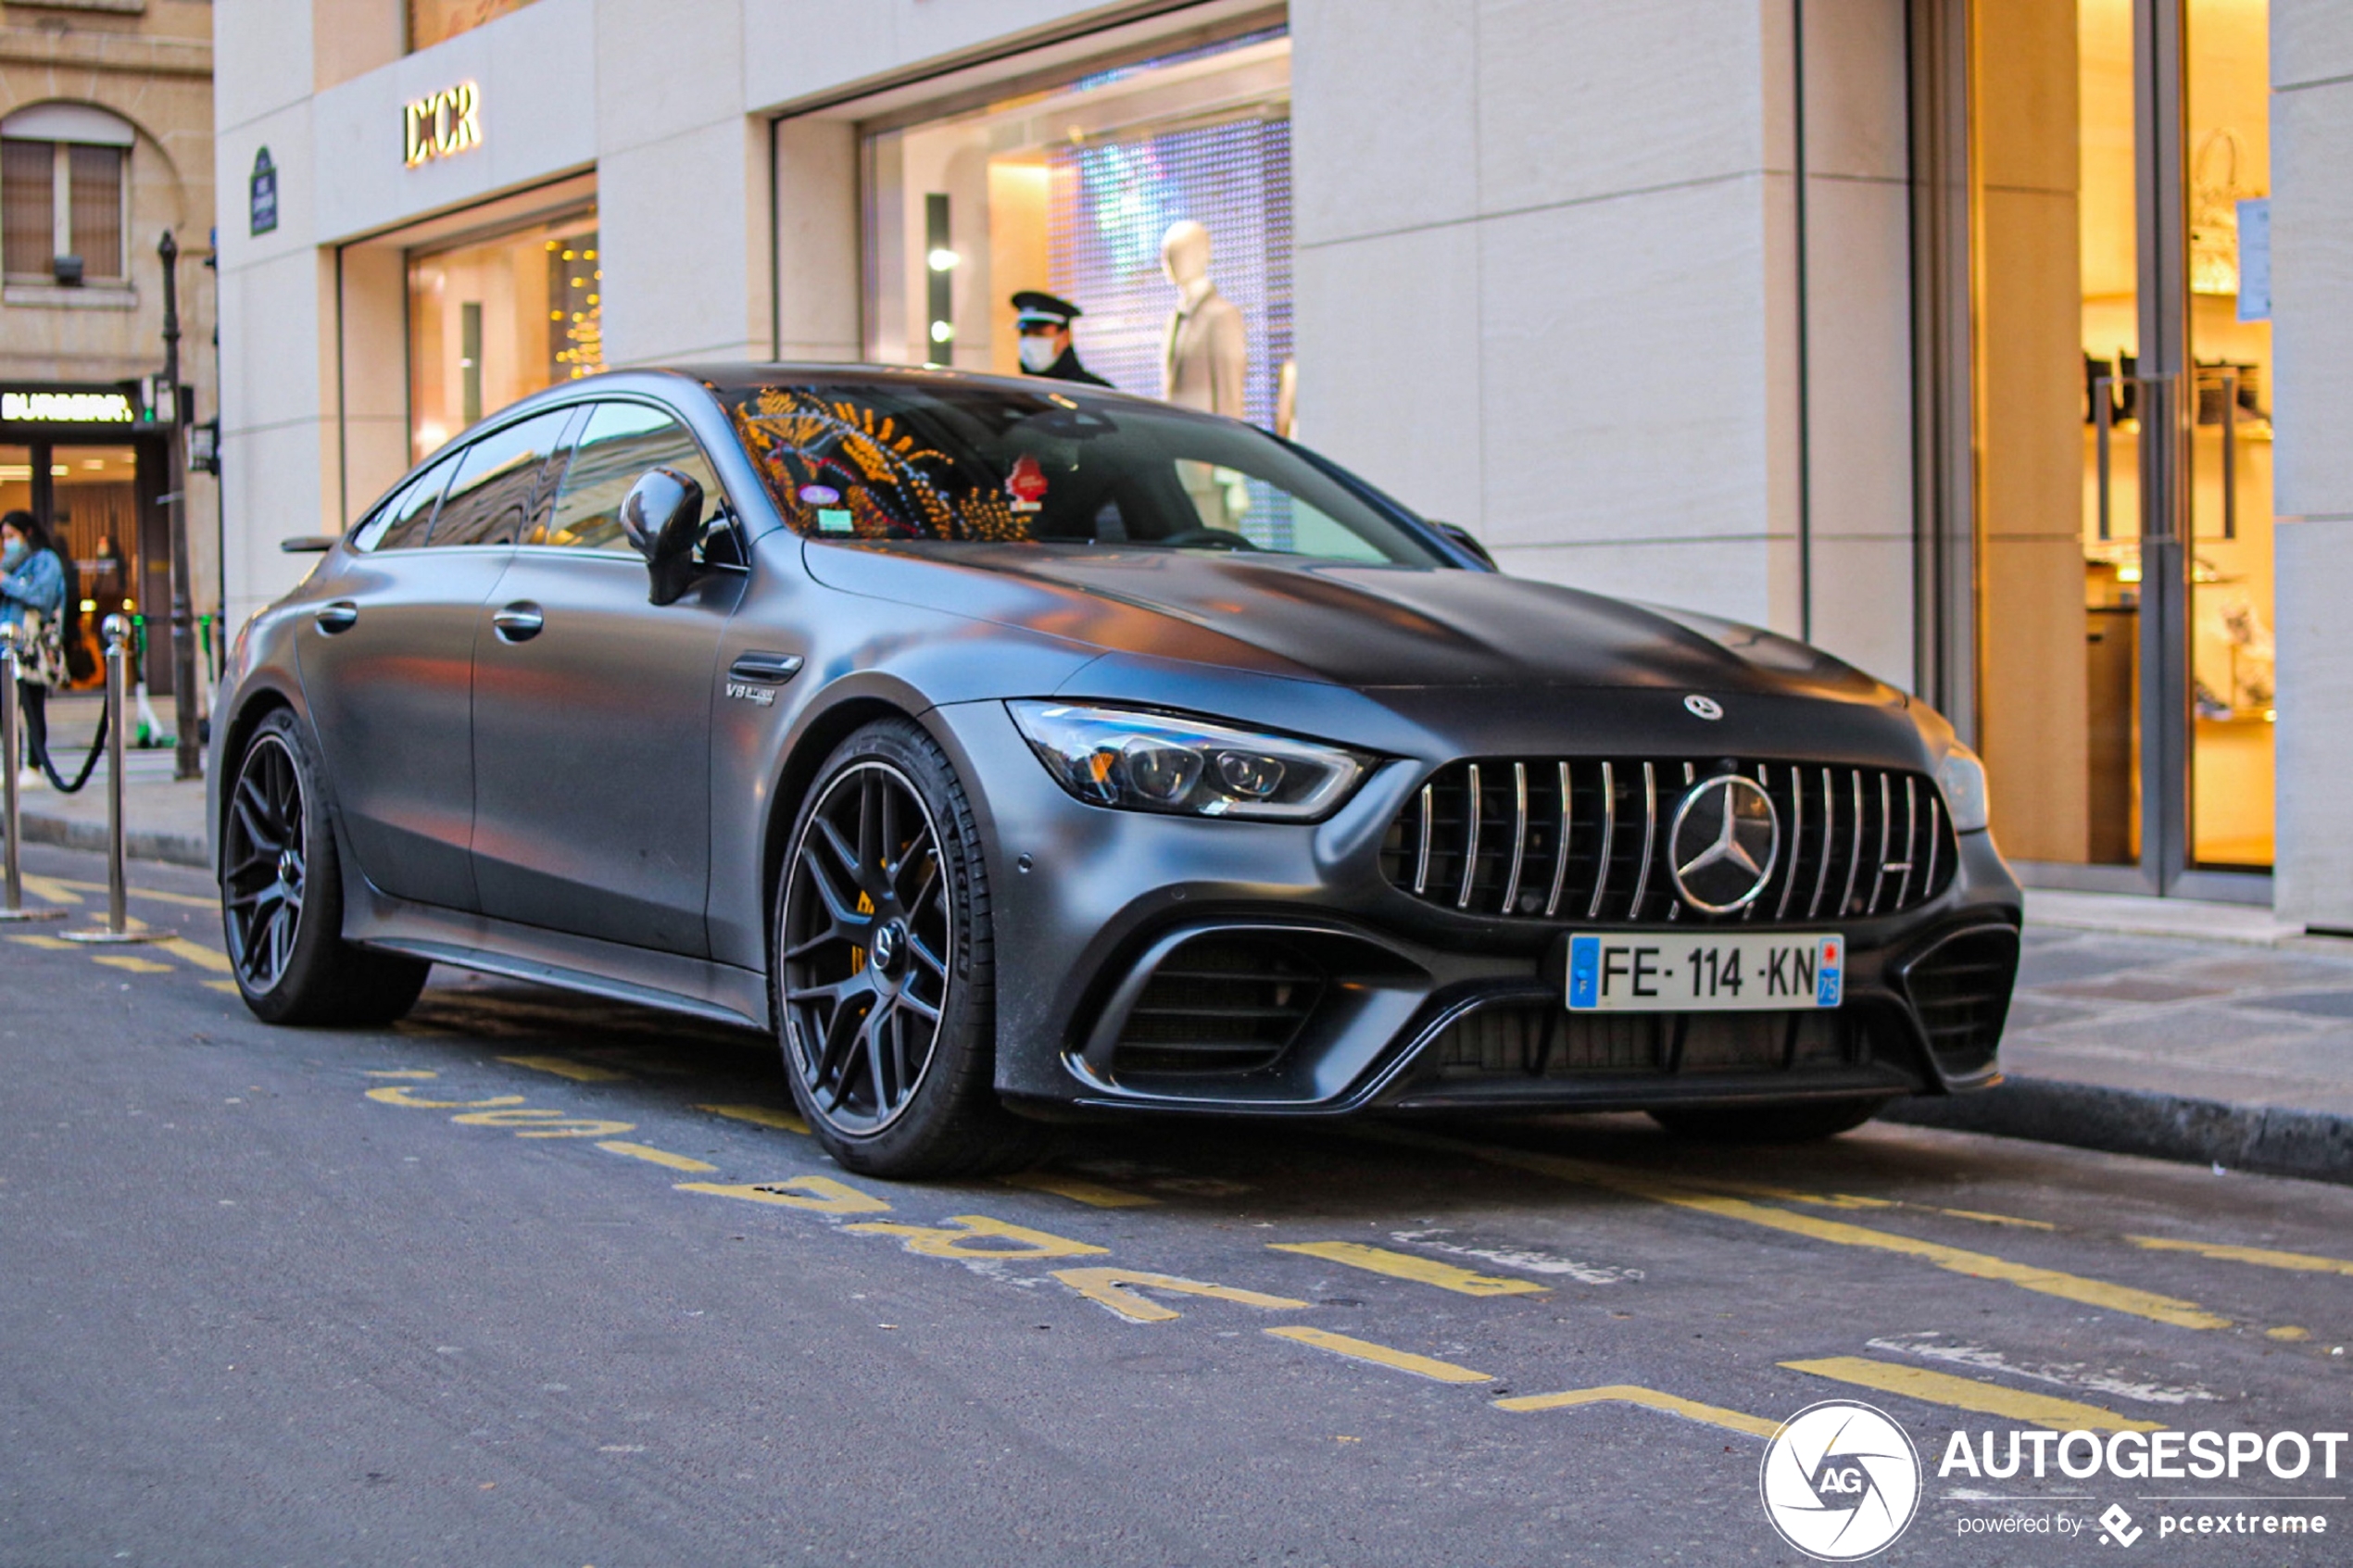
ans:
(492, 321)
(1155, 197)
(430, 21)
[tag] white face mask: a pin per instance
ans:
(1038, 354)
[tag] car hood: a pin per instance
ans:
(1358, 626)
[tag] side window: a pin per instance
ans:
(498, 481)
(621, 441)
(401, 522)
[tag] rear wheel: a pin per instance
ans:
(282, 895)
(885, 967)
(1795, 1121)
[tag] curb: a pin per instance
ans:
(2315, 1145)
(171, 848)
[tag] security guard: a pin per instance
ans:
(1044, 322)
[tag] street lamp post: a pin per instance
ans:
(187, 757)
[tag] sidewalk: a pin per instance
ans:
(162, 819)
(2209, 1033)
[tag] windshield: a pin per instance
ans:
(1001, 465)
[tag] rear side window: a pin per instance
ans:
(496, 487)
(620, 442)
(401, 522)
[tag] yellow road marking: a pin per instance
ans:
(2262, 1256)
(397, 1072)
(2287, 1333)
(1968, 1394)
(398, 1093)
(1404, 1265)
(1983, 1218)
(759, 1116)
(46, 944)
(1961, 1260)
(226, 988)
(187, 900)
(1078, 1190)
(1649, 1398)
(1114, 1288)
(50, 890)
(564, 1067)
(939, 1242)
(1381, 1355)
(820, 1195)
(544, 1124)
(195, 953)
(130, 965)
(656, 1156)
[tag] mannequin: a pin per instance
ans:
(1203, 357)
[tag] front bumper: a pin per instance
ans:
(1332, 992)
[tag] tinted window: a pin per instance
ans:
(401, 521)
(973, 463)
(497, 482)
(621, 441)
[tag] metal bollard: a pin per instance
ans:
(118, 927)
(12, 894)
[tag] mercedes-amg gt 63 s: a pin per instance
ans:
(1017, 751)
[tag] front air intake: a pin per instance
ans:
(1220, 1002)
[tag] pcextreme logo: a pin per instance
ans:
(1839, 1481)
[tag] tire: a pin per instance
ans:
(282, 895)
(1789, 1120)
(883, 977)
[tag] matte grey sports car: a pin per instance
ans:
(1016, 750)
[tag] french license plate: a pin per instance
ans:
(1664, 972)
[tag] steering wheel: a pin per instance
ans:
(1208, 538)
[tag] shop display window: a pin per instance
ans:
(1153, 196)
(494, 319)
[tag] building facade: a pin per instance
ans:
(105, 145)
(1941, 332)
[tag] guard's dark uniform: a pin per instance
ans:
(1034, 306)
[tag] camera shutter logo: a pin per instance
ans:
(1839, 1481)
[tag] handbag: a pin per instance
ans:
(41, 650)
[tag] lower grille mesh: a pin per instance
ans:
(1540, 1040)
(1961, 990)
(1219, 1004)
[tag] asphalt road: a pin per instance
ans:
(537, 1280)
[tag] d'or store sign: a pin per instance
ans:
(66, 408)
(442, 124)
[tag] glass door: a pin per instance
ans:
(2119, 165)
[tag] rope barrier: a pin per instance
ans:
(89, 763)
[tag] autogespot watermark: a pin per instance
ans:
(1842, 1481)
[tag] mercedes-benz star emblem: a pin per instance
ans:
(1703, 706)
(1723, 844)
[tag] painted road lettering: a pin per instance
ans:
(1116, 1288)
(978, 1235)
(812, 1194)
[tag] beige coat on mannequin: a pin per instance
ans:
(1203, 354)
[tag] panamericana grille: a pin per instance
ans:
(1220, 1003)
(1584, 839)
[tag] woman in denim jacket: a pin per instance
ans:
(32, 594)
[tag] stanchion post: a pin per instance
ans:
(12, 894)
(118, 926)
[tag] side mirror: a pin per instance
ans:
(307, 545)
(1467, 540)
(663, 518)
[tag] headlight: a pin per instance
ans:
(1160, 762)
(1963, 777)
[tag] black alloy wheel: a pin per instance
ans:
(868, 943)
(282, 894)
(884, 975)
(262, 885)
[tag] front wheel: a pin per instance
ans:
(1794, 1121)
(884, 974)
(282, 895)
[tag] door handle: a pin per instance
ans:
(340, 616)
(518, 623)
